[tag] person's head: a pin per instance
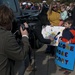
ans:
(68, 23)
(53, 7)
(71, 5)
(58, 3)
(63, 8)
(6, 17)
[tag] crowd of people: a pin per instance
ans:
(10, 50)
(60, 14)
(55, 14)
(30, 6)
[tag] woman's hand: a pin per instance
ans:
(68, 42)
(24, 32)
(51, 38)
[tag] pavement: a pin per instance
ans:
(45, 64)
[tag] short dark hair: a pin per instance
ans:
(69, 21)
(6, 16)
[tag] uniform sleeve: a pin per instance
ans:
(73, 37)
(73, 40)
(13, 50)
(39, 35)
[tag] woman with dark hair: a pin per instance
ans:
(43, 21)
(9, 48)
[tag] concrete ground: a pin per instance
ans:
(45, 64)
